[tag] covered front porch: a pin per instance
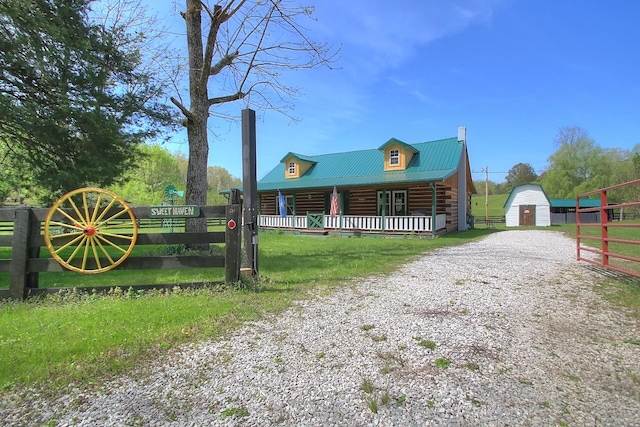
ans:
(314, 222)
(422, 208)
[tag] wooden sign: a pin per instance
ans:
(176, 211)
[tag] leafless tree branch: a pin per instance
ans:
(182, 108)
(227, 98)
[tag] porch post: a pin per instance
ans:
(433, 209)
(384, 206)
(259, 209)
(340, 206)
(293, 213)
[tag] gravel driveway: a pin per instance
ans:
(503, 331)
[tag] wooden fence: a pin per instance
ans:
(490, 220)
(26, 240)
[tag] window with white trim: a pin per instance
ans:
(292, 168)
(394, 157)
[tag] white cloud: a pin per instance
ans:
(390, 35)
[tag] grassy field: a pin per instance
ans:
(83, 338)
(495, 204)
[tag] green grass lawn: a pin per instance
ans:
(83, 338)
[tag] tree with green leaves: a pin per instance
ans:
(75, 98)
(238, 50)
(12, 178)
(576, 166)
(144, 184)
(521, 174)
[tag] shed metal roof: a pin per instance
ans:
(524, 184)
(571, 203)
(434, 161)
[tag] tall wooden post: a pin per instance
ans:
(486, 194)
(18, 282)
(250, 188)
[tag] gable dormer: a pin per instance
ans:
(295, 165)
(397, 154)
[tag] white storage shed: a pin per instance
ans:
(527, 205)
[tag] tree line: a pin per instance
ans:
(144, 183)
(577, 166)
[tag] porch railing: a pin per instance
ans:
(357, 222)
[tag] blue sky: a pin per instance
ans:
(512, 72)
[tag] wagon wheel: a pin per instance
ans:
(90, 230)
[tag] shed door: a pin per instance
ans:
(528, 215)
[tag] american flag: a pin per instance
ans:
(282, 205)
(335, 206)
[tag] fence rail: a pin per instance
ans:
(26, 239)
(143, 224)
(615, 252)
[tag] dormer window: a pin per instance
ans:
(397, 155)
(296, 165)
(394, 157)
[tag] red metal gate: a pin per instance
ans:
(618, 238)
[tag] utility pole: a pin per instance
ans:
(486, 194)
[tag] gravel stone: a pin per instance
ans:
(528, 340)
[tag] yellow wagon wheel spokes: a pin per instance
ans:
(90, 230)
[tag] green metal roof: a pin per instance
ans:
(571, 203)
(434, 161)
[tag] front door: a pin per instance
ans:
(528, 215)
(396, 203)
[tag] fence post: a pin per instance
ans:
(232, 244)
(20, 254)
(250, 189)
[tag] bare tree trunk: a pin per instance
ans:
(245, 56)
(196, 193)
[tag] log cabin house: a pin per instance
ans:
(398, 188)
